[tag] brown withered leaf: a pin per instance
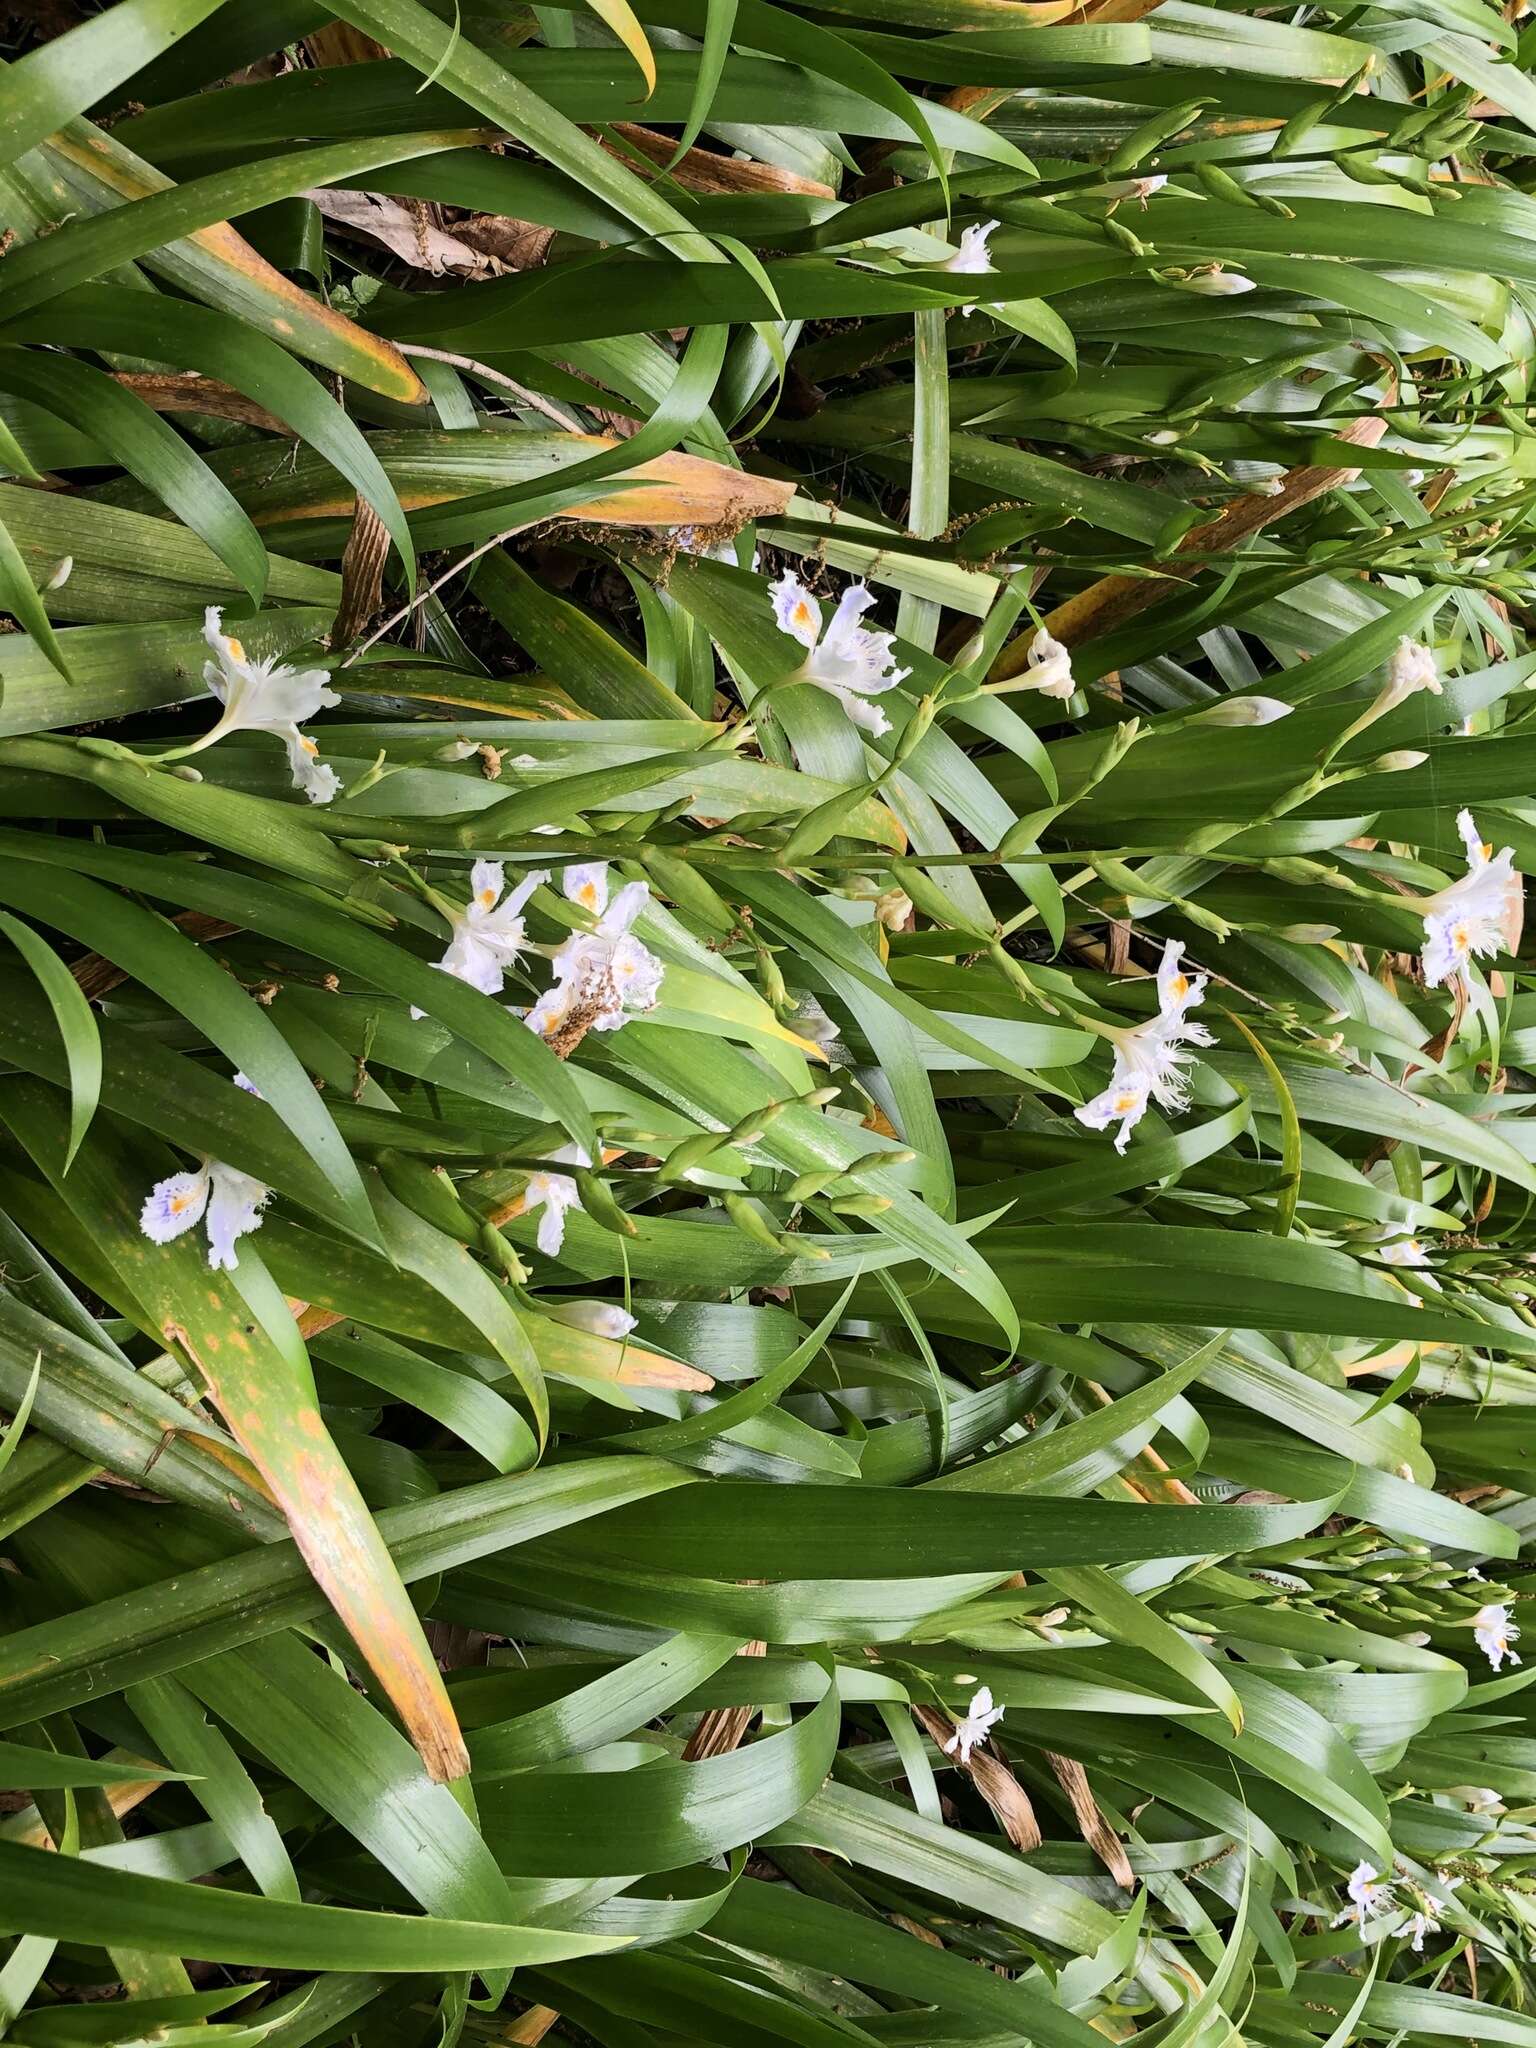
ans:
(186, 391)
(340, 43)
(407, 232)
(362, 574)
(1091, 1824)
(531, 2026)
(1114, 599)
(917, 1929)
(721, 1729)
(993, 1780)
(510, 244)
(701, 170)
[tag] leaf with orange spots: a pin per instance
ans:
(258, 1377)
(216, 264)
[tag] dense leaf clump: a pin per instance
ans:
(765, 1140)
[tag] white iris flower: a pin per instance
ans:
(1496, 1634)
(266, 696)
(1427, 1919)
(1150, 1058)
(488, 932)
(849, 662)
(1409, 1251)
(974, 1726)
(971, 258)
(554, 1193)
(1480, 914)
(602, 976)
(230, 1201)
(1370, 1897)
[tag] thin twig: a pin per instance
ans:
(431, 589)
(444, 355)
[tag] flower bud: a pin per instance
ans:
(1244, 711)
(1217, 283)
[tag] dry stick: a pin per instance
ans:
(721, 1729)
(185, 391)
(431, 589)
(444, 355)
(1114, 599)
(531, 2026)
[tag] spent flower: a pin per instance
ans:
(1411, 669)
(1048, 668)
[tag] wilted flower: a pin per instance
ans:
(1370, 1896)
(1132, 188)
(1495, 1634)
(849, 662)
(1479, 914)
(1049, 667)
(458, 750)
(809, 1019)
(690, 541)
(1427, 1919)
(1478, 1798)
(1150, 1058)
(893, 909)
(974, 1726)
(231, 1201)
(1411, 669)
(971, 258)
(554, 1193)
(264, 696)
(604, 975)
